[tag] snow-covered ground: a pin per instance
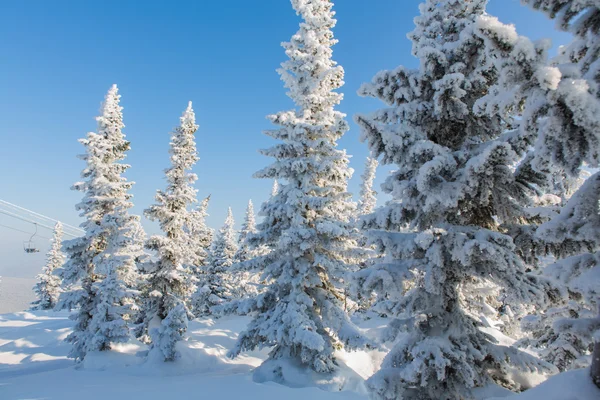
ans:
(15, 294)
(33, 365)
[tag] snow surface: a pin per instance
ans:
(33, 365)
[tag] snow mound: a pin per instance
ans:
(291, 373)
(570, 385)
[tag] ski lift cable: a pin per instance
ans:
(40, 215)
(30, 219)
(32, 222)
(19, 230)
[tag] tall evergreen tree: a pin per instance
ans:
(101, 263)
(453, 187)
(368, 196)
(570, 144)
(309, 219)
(116, 293)
(48, 287)
(215, 286)
(169, 281)
(561, 109)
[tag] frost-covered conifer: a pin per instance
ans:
(116, 293)
(215, 285)
(454, 185)
(565, 332)
(246, 283)
(308, 222)
(48, 287)
(101, 270)
(561, 113)
(169, 282)
(245, 252)
(577, 140)
(368, 196)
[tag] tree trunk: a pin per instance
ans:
(595, 368)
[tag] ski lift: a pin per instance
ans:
(29, 245)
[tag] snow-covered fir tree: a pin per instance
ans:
(307, 223)
(453, 187)
(573, 144)
(565, 332)
(245, 251)
(368, 196)
(215, 286)
(561, 110)
(48, 287)
(116, 293)
(169, 281)
(246, 283)
(101, 269)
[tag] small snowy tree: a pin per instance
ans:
(368, 196)
(246, 283)
(453, 187)
(169, 282)
(49, 283)
(101, 265)
(245, 252)
(307, 223)
(215, 287)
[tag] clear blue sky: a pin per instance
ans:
(58, 58)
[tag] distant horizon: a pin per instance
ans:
(63, 57)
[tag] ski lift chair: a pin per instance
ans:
(29, 245)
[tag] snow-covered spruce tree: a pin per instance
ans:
(245, 251)
(101, 264)
(48, 287)
(565, 333)
(215, 286)
(575, 144)
(116, 293)
(453, 186)
(309, 219)
(246, 283)
(249, 273)
(561, 111)
(368, 196)
(169, 281)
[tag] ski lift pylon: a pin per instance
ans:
(29, 245)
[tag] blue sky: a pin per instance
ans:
(58, 59)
